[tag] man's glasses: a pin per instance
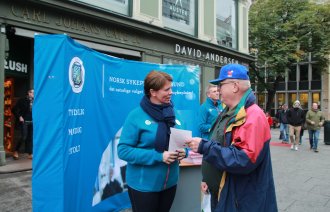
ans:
(224, 83)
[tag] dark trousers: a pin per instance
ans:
(26, 137)
(152, 201)
(214, 202)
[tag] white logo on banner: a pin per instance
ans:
(76, 75)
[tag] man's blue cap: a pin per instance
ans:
(231, 71)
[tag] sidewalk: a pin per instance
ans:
(11, 166)
(301, 177)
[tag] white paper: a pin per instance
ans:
(177, 139)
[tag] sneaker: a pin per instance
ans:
(316, 150)
(292, 147)
(296, 148)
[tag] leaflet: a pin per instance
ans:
(177, 139)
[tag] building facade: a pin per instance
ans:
(304, 82)
(206, 33)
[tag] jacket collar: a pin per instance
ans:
(239, 116)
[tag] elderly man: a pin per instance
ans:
(296, 118)
(314, 120)
(239, 147)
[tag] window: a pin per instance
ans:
(316, 98)
(303, 98)
(179, 15)
(226, 23)
(304, 73)
(280, 98)
(293, 73)
(119, 6)
(176, 61)
(316, 73)
(261, 100)
(292, 98)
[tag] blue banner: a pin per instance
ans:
(82, 98)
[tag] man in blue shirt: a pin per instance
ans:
(209, 111)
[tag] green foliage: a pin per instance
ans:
(283, 32)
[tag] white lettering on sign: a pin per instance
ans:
(76, 112)
(197, 53)
(16, 66)
(74, 131)
(74, 149)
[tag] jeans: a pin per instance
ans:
(284, 131)
(314, 138)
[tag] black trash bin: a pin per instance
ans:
(327, 132)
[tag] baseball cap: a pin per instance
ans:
(232, 71)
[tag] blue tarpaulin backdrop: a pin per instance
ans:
(82, 98)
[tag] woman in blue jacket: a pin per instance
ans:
(152, 171)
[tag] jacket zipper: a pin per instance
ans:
(167, 174)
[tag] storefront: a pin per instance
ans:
(106, 32)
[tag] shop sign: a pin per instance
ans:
(177, 10)
(204, 56)
(16, 66)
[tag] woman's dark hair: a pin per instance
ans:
(155, 80)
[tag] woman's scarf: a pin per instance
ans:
(164, 115)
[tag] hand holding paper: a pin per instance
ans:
(193, 143)
(177, 139)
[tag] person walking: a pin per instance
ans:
(269, 119)
(282, 118)
(23, 113)
(314, 120)
(239, 147)
(295, 118)
(152, 171)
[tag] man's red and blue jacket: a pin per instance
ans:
(247, 183)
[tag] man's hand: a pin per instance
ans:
(169, 157)
(204, 188)
(21, 119)
(193, 143)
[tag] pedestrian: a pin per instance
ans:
(282, 118)
(23, 113)
(277, 121)
(296, 117)
(303, 126)
(314, 120)
(209, 110)
(239, 147)
(269, 120)
(152, 171)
